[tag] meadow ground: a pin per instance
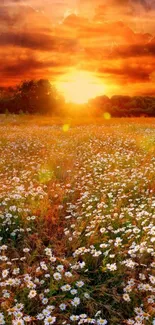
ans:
(77, 221)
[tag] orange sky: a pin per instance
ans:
(51, 38)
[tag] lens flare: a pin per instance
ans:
(66, 127)
(107, 116)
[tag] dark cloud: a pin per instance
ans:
(128, 74)
(135, 51)
(6, 17)
(37, 41)
(24, 68)
(146, 4)
(27, 40)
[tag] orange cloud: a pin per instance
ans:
(35, 46)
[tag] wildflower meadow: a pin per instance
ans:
(77, 222)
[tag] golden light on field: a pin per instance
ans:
(79, 86)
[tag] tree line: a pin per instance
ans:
(31, 97)
(123, 106)
(40, 97)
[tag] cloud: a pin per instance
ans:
(28, 65)
(37, 41)
(128, 73)
(146, 4)
(35, 46)
(136, 50)
(124, 4)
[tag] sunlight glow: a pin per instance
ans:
(79, 86)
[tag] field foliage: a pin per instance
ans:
(77, 221)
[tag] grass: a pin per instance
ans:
(77, 221)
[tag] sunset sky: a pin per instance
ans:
(109, 44)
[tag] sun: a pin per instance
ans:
(79, 86)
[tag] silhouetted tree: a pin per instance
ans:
(32, 96)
